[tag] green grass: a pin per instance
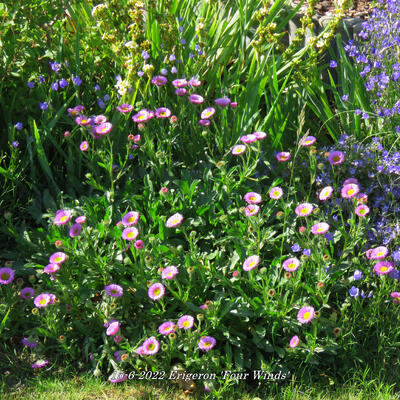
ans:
(90, 388)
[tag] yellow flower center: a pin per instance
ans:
(156, 292)
(63, 218)
(130, 235)
(336, 158)
(350, 192)
(150, 346)
(384, 269)
(291, 266)
(306, 315)
(304, 211)
(58, 259)
(251, 264)
(276, 193)
(5, 276)
(252, 198)
(380, 254)
(43, 301)
(320, 229)
(207, 344)
(185, 323)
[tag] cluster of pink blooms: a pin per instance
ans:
(97, 125)
(62, 217)
(247, 139)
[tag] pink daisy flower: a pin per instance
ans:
(362, 210)
(194, 82)
(159, 80)
(238, 149)
(378, 253)
(113, 328)
(283, 156)
(31, 344)
(185, 322)
(151, 346)
(114, 290)
(396, 297)
(27, 293)
(251, 209)
(307, 141)
(40, 364)
(275, 193)
(81, 219)
(99, 119)
(125, 108)
(336, 157)
(169, 272)
(206, 343)
(51, 268)
(180, 91)
(251, 262)
(130, 218)
(82, 120)
(207, 113)
(196, 98)
(259, 135)
(130, 233)
(383, 267)
(166, 328)
(103, 129)
(138, 244)
(174, 220)
(163, 112)
(350, 180)
(178, 83)
(156, 291)
(304, 209)
(57, 258)
(325, 193)
(294, 341)
(252, 198)
(222, 101)
(320, 229)
(204, 122)
(291, 264)
(6, 275)
(248, 138)
(305, 315)
(350, 190)
(75, 230)
(62, 217)
(43, 300)
(143, 116)
(84, 146)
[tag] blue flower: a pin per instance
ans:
(183, 41)
(18, 126)
(63, 83)
(333, 64)
(145, 55)
(164, 71)
(345, 97)
(31, 84)
(43, 106)
(172, 57)
(101, 104)
(55, 66)
(357, 275)
(76, 80)
(296, 248)
(41, 79)
(54, 86)
(140, 74)
(329, 236)
(307, 252)
(354, 292)
(15, 143)
(106, 97)
(174, 70)
(97, 87)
